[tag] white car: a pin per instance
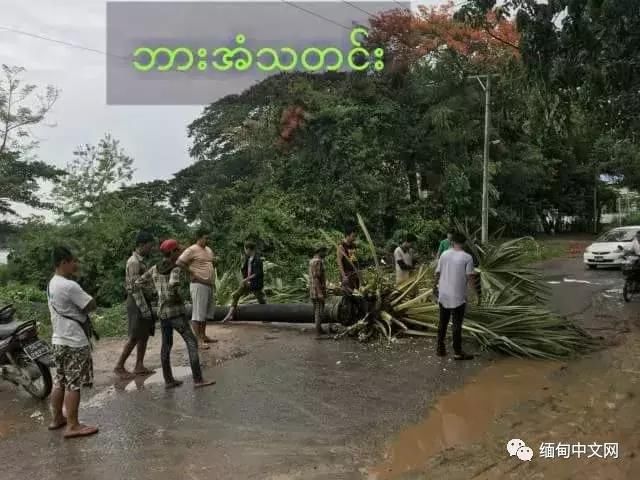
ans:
(604, 251)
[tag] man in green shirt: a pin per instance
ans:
(445, 244)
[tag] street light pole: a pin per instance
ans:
(485, 160)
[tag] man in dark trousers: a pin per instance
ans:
(139, 312)
(166, 276)
(252, 280)
(454, 272)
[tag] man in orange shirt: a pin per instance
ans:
(200, 260)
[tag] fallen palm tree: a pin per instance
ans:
(509, 318)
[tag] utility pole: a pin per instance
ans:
(485, 161)
(595, 203)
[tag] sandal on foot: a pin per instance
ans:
(173, 384)
(83, 431)
(58, 426)
(124, 374)
(204, 383)
(463, 356)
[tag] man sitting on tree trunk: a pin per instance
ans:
(252, 280)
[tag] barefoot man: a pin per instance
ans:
(199, 260)
(139, 311)
(69, 306)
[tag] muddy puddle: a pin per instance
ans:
(465, 415)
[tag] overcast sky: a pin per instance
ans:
(155, 136)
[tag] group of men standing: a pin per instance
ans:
(70, 306)
(200, 262)
(454, 272)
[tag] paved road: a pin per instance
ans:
(291, 407)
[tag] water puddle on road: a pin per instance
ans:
(464, 416)
(140, 383)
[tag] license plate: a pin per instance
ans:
(598, 258)
(37, 349)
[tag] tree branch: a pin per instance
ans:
(501, 40)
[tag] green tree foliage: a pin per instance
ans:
(299, 154)
(93, 172)
(103, 241)
(21, 108)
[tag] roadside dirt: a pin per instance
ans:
(590, 400)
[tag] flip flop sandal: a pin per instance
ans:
(174, 384)
(124, 375)
(58, 426)
(204, 384)
(84, 432)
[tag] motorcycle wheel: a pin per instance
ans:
(625, 291)
(39, 387)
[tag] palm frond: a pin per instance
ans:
(511, 320)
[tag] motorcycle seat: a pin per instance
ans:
(6, 314)
(8, 329)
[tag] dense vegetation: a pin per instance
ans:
(299, 154)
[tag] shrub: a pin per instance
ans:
(633, 219)
(429, 232)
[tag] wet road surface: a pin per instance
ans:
(291, 407)
(287, 406)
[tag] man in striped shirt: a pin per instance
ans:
(139, 312)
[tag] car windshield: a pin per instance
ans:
(618, 236)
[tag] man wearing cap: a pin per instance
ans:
(166, 277)
(139, 312)
(199, 260)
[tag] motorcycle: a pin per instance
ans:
(631, 273)
(25, 360)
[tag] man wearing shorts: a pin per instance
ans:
(69, 306)
(199, 260)
(139, 311)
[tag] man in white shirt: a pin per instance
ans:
(455, 270)
(403, 259)
(69, 306)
